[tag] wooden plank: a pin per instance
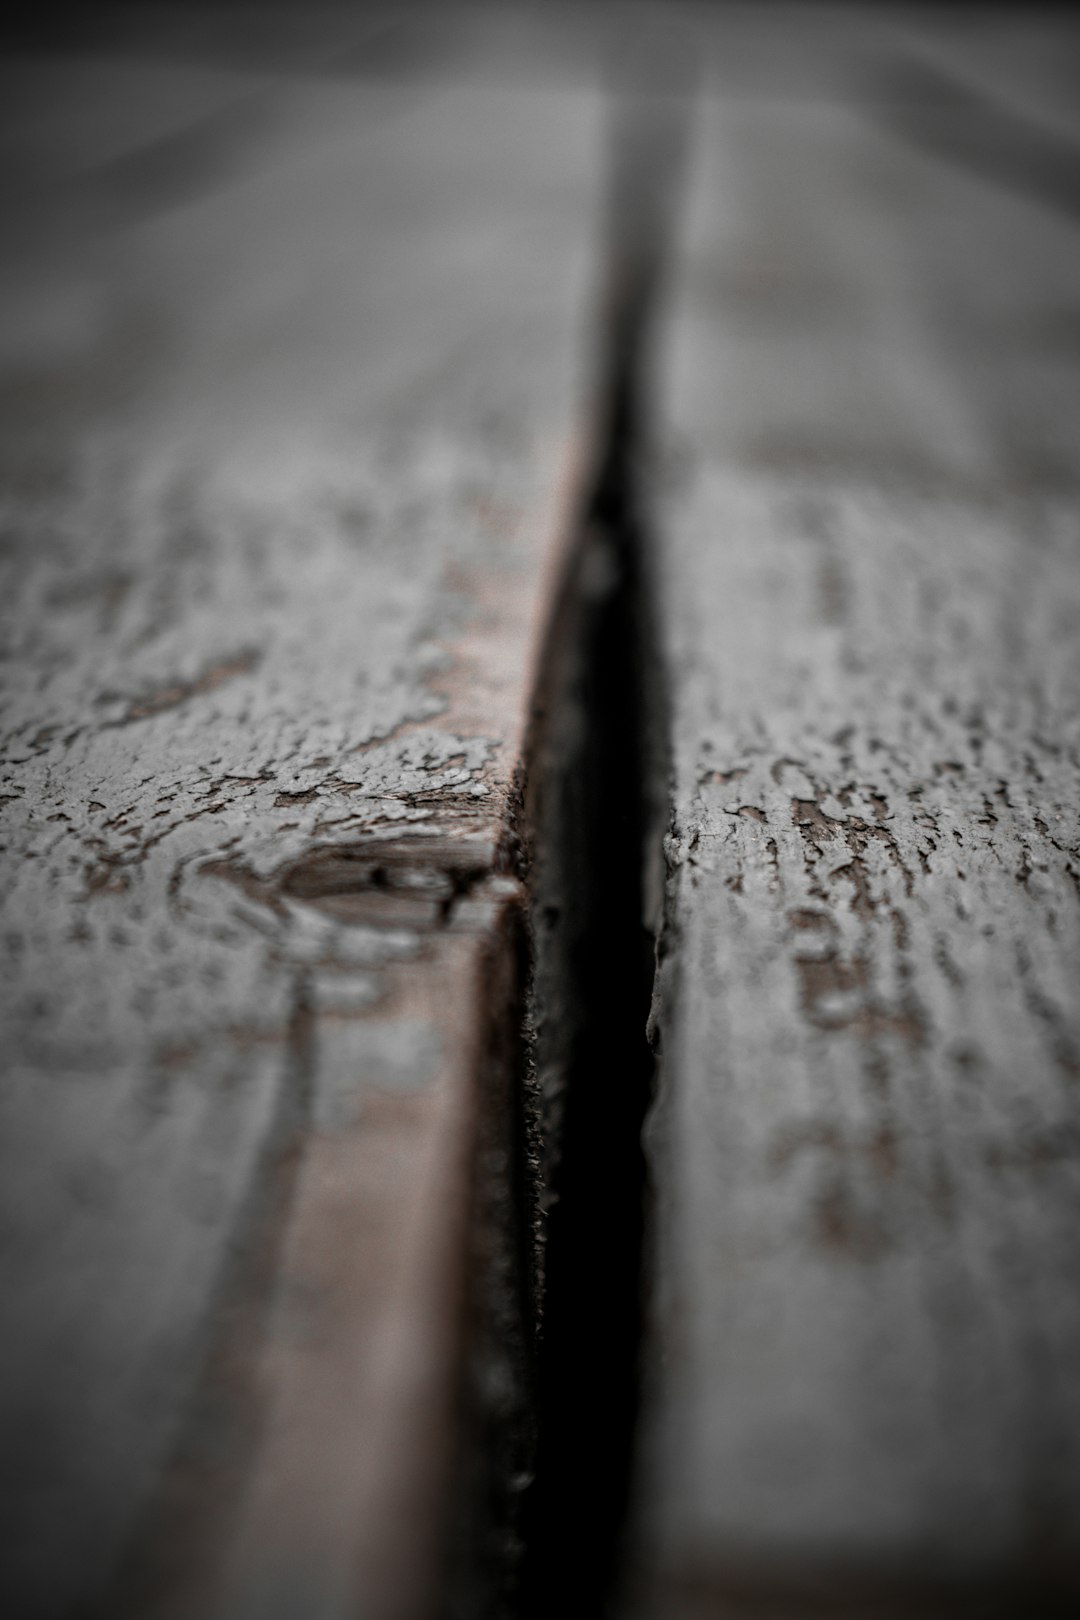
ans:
(1026, 62)
(864, 1384)
(291, 447)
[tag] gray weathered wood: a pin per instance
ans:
(292, 434)
(865, 1366)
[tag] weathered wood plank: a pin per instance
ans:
(865, 1373)
(290, 449)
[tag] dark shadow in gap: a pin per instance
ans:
(593, 819)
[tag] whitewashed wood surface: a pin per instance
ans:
(295, 396)
(864, 1372)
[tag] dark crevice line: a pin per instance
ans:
(592, 823)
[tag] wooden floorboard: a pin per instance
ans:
(296, 406)
(864, 1385)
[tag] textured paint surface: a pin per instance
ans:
(287, 472)
(866, 1363)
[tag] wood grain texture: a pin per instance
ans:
(292, 437)
(865, 1365)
